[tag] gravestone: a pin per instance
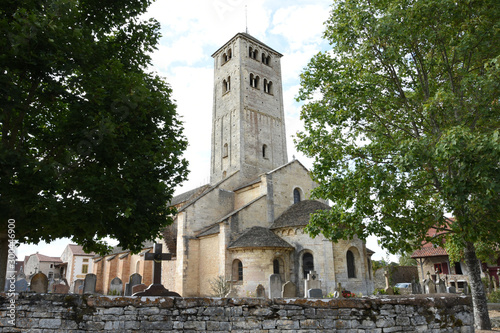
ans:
(76, 287)
(39, 283)
(89, 283)
(451, 290)
(312, 282)
(134, 279)
(441, 286)
(157, 289)
(466, 288)
(274, 286)
(338, 291)
(260, 291)
(50, 287)
(429, 286)
(388, 289)
(115, 287)
(314, 293)
(21, 285)
(80, 290)
(138, 288)
(60, 288)
(289, 290)
(21, 276)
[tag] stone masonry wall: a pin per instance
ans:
(55, 313)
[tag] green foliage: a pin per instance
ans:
(402, 119)
(406, 260)
(494, 297)
(90, 142)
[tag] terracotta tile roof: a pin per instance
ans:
(78, 250)
(429, 252)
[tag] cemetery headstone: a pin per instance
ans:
(21, 276)
(76, 287)
(39, 283)
(116, 287)
(134, 279)
(21, 285)
(138, 288)
(312, 282)
(440, 287)
(338, 291)
(314, 293)
(274, 286)
(429, 286)
(89, 283)
(451, 290)
(60, 288)
(260, 291)
(157, 289)
(388, 288)
(289, 290)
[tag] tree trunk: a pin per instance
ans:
(4, 253)
(479, 303)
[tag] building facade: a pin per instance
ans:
(248, 223)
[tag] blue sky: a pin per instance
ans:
(191, 32)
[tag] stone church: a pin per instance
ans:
(247, 224)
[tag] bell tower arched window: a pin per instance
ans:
(351, 268)
(264, 151)
(226, 85)
(268, 86)
(254, 81)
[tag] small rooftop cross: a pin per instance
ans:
(157, 289)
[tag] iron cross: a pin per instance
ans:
(157, 257)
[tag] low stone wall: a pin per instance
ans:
(43, 313)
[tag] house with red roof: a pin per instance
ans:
(37, 262)
(75, 264)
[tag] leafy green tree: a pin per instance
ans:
(402, 120)
(91, 144)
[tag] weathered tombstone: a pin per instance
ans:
(134, 279)
(21, 285)
(312, 282)
(274, 286)
(89, 283)
(139, 288)
(440, 287)
(50, 287)
(289, 290)
(451, 290)
(157, 289)
(80, 290)
(416, 288)
(338, 291)
(21, 276)
(39, 283)
(60, 288)
(466, 288)
(76, 287)
(314, 293)
(388, 288)
(429, 286)
(260, 291)
(116, 287)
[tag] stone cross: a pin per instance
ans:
(157, 289)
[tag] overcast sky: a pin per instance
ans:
(191, 31)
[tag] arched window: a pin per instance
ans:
(296, 195)
(250, 52)
(307, 263)
(226, 85)
(264, 151)
(276, 266)
(224, 58)
(266, 59)
(237, 270)
(229, 54)
(268, 87)
(254, 81)
(351, 268)
(225, 150)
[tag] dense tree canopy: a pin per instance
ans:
(402, 119)
(90, 142)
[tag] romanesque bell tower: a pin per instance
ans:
(248, 124)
